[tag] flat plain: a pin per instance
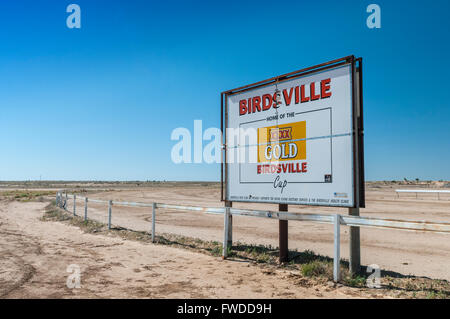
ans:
(35, 253)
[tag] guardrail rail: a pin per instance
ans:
(418, 191)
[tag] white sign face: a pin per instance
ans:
(300, 152)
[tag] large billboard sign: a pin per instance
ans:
(296, 138)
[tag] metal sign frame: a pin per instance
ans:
(357, 123)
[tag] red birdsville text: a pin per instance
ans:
(282, 168)
(296, 95)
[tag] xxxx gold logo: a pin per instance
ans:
(280, 134)
(282, 143)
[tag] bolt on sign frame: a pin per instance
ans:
(355, 134)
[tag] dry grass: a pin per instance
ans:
(25, 195)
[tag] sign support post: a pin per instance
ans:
(230, 225)
(355, 244)
(283, 235)
(354, 232)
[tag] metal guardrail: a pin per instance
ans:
(422, 191)
(418, 191)
(337, 220)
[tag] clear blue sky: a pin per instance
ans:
(101, 102)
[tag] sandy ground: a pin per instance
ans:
(415, 253)
(35, 255)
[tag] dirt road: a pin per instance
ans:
(35, 255)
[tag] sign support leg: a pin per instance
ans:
(283, 235)
(355, 244)
(230, 225)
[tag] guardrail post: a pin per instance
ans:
(57, 199)
(153, 221)
(226, 220)
(65, 203)
(85, 208)
(74, 204)
(337, 248)
(109, 213)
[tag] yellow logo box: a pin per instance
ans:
(278, 143)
